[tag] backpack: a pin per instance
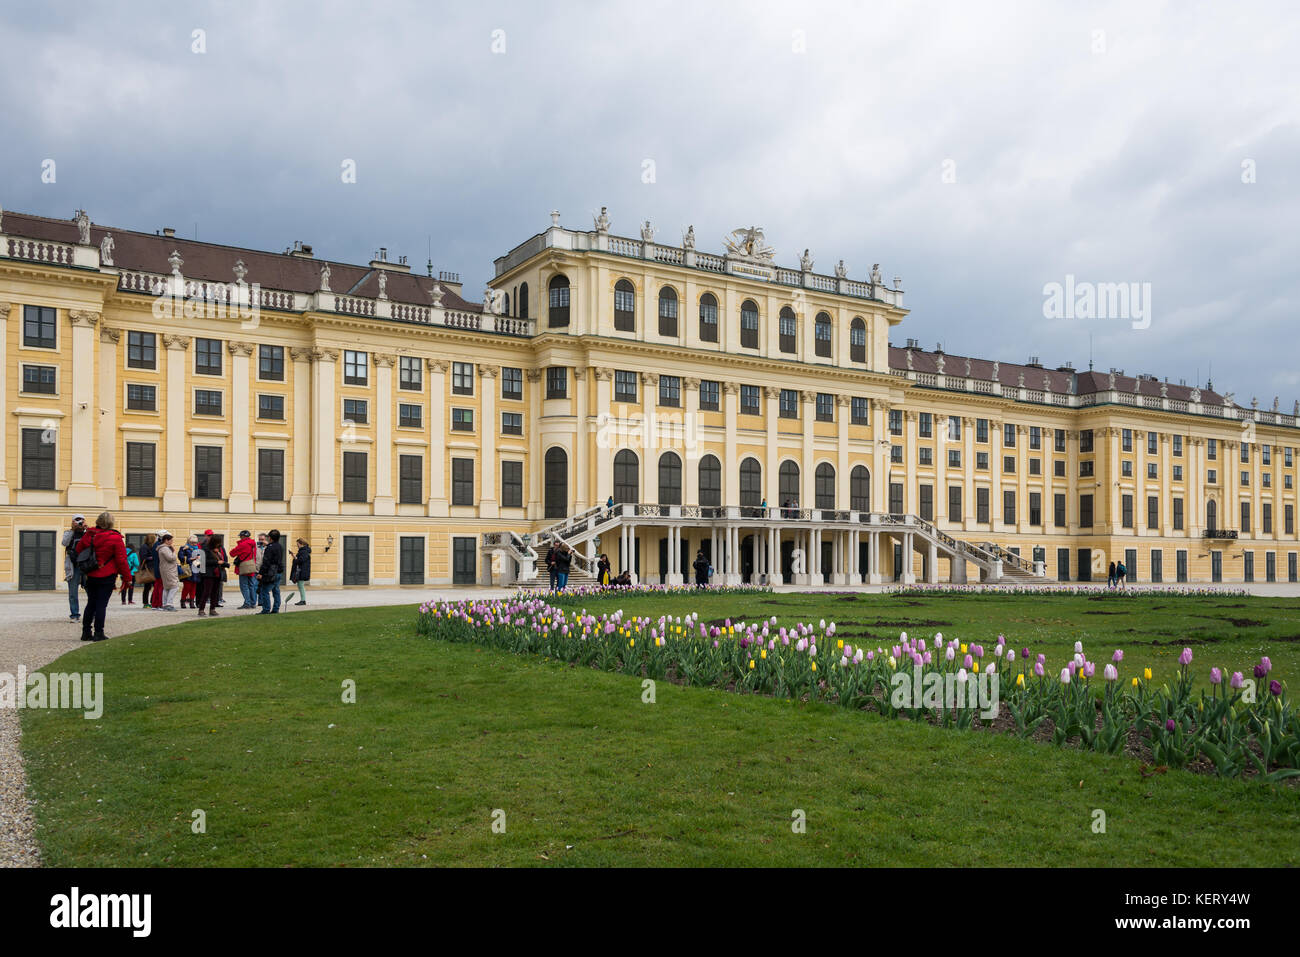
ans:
(86, 561)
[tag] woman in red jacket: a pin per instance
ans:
(110, 550)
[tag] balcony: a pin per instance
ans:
(1221, 533)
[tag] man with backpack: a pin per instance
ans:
(71, 574)
(270, 572)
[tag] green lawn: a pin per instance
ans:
(233, 717)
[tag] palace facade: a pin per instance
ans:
(726, 404)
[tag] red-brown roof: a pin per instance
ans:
(211, 262)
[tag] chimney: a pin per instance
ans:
(381, 262)
(169, 232)
(300, 250)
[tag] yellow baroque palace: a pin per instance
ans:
(728, 405)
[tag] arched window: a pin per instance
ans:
(751, 483)
(1212, 514)
(825, 485)
(749, 324)
(557, 482)
(559, 306)
(523, 300)
(860, 489)
(822, 334)
(789, 330)
(624, 306)
(710, 481)
(506, 305)
(668, 312)
(788, 479)
(708, 318)
(627, 477)
(858, 340)
(670, 479)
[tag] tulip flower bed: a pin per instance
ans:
(1070, 591)
(599, 592)
(1239, 728)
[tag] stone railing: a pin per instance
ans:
(40, 251)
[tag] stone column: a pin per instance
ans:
(604, 480)
(842, 499)
(85, 410)
(879, 446)
(536, 446)
(691, 441)
(808, 469)
(995, 473)
(438, 436)
(176, 496)
(488, 428)
(772, 465)
(5, 309)
(110, 488)
(1114, 518)
(240, 498)
(649, 450)
(581, 443)
(325, 498)
(300, 497)
(384, 503)
(730, 466)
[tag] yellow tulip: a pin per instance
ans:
(751, 664)
(963, 649)
(631, 642)
(814, 666)
(763, 654)
(1020, 681)
(1135, 682)
(1146, 673)
(975, 667)
(840, 644)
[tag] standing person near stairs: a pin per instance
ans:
(551, 554)
(563, 562)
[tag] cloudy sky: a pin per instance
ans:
(978, 150)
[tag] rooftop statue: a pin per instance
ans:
(841, 270)
(383, 285)
(83, 227)
(805, 262)
(325, 278)
(240, 271)
(106, 250)
(688, 241)
(647, 232)
(996, 370)
(436, 294)
(748, 243)
(876, 277)
(602, 221)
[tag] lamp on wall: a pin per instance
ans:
(329, 540)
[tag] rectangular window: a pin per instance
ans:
(557, 382)
(462, 481)
(411, 555)
(410, 479)
(1126, 510)
(1126, 468)
(1085, 469)
(1266, 453)
(1058, 468)
(1060, 440)
(356, 367)
(512, 423)
(141, 458)
(925, 426)
(981, 430)
(1085, 440)
(207, 471)
(270, 363)
(270, 475)
(624, 386)
(708, 319)
(1288, 519)
(1245, 518)
(954, 458)
(749, 400)
(40, 380)
(624, 307)
(462, 546)
(1126, 440)
(1248, 563)
(355, 476)
(1153, 512)
(356, 411)
(896, 453)
(1062, 564)
(141, 398)
(1035, 466)
(860, 411)
(748, 326)
(789, 404)
(1288, 457)
(1085, 511)
(825, 407)
(1035, 437)
(270, 406)
(207, 356)
(40, 327)
(954, 503)
(1212, 449)
(462, 378)
(1266, 518)
(410, 415)
(1009, 436)
(410, 374)
(512, 383)
(1035, 508)
(1157, 565)
(1153, 470)
(1058, 510)
(1008, 463)
(1153, 443)
(895, 421)
(38, 460)
(1270, 566)
(925, 455)
(512, 484)
(927, 502)
(954, 429)
(709, 399)
(1178, 445)
(207, 402)
(141, 350)
(982, 506)
(982, 460)
(462, 420)
(1245, 453)
(1178, 473)
(1212, 476)
(1180, 564)
(1009, 506)
(670, 390)
(1178, 515)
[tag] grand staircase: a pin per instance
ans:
(527, 552)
